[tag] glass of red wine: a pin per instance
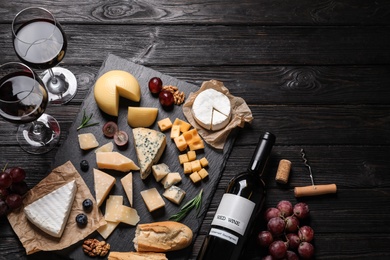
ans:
(23, 100)
(40, 42)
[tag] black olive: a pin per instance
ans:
(81, 220)
(84, 165)
(87, 205)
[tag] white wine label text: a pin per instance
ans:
(224, 235)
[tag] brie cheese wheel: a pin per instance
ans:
(51, 212)
(211, 109)
(113, 84)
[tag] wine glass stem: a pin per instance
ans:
(53, 78)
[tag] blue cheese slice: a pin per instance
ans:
(172, 178)
(149, 146)
(51, 212)
(160, 171)
(174, 194)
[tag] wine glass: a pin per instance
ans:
(23, 100)
(40, 42)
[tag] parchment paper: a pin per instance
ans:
(32, 238)
(241, 114)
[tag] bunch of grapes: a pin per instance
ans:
(12, 189)
(284, 237)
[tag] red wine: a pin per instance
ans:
(23, 99)
(239, 207)
(40, 44)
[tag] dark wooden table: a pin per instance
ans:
(315, 73)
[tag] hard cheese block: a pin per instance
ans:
(103, 184)
(115, 161)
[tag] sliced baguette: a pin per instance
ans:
(136, 256)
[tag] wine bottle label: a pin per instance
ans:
(224, 235)
(234, 213)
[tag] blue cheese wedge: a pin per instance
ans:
(160, 171)
(174, 194)
(172, 178)
(51, 212)
(149, 146)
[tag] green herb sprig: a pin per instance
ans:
(196, 203)
(85, 121)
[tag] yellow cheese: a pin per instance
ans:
(174, 194)
(175, 131)
(196, 166)
(180, 143)
(184, 126)
(160, 171)
(128, 215)
(195, 177)
(141, 116)
(113, 84)
(127, 184)
(108, 147)
(164, 124)
(103, 184)
(196, 145)
(204, 162)
(106, 230)
(187, 168)
(171, 179)
(115, 161)
(87, 141)
(152, 199)
(113, 204)
(183, 158)
(203, 173)
(136, 256)
(191, 155)
(191, 136)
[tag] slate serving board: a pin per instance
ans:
(121, 238)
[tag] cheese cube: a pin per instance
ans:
(172, 178)
(204, 162)
(152, 199)
(195, 165)
(175, 131)
(127, 184)
(187, 168)
(87, 141)
(164, 124)
(174, 194)
(113, 204)
(196, 145)
(183, 158)
(195, 177)
(191, 155)
(115, 161)
(180, 143)
(184, 126)
(103, 183)
(191, 136)
(160, 171)
(203, 173)
(106, 230)
(128, 215)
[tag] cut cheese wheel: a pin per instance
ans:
(115, 161)
(211, 109)
(113, 84)
(103, 185)
(141, 116)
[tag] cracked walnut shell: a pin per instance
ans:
(93, 247)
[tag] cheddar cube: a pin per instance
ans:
(191, 155)
(203, 173)
(187, 168)
(152, 199)
(180, 143)
(191, 136)
(204, 162)
(184, 126)
(198, 145)
(175, 131)
(196, 166)
(183, 158)
(195, 177)
(164, 124)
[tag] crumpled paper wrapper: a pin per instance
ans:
(32, 238)
(241, 114)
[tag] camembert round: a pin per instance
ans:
(211, 109)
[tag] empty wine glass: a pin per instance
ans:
(40, 42)
(23, 100)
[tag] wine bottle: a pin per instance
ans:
(239, 207)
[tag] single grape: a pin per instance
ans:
(3, 193)
(109, 129)
(87, 205)
(5, 180)
(166, 98)
(285, 207)
(14, 201)
(291, 255)
(292, 223)
(81, 220)
(265, 238)
(20, 188)
(293, 240)
(271, 213)
(121, 138)
(301, 210)
(3, 208)
(17, 174)
(155, 85)
(276, 226)
(84, 165)
(306, 233)
(278, 249)
(306, 250)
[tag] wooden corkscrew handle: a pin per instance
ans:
(314, 190)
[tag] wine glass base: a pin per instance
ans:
(64, 90)
(40, 136)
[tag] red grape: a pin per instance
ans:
(166, 98)
(306, 233)
(3, 193)
(285, 207)
(306, 250)
(155, 85)
(5, 180)
(109, 129)
(121, 138)
(278, 249)
(3, 208)
(292, 224)
(271, 213)
(291, 255)
(265, 238)
(17, 174)
(276, 226)
(293, 240)
(14, 201)
(20, 188)
(301, 210)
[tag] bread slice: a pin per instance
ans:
(136, 256)
(162, 236)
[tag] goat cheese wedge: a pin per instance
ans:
(51, 212)
(211, 110)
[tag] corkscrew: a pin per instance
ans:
(313, 189)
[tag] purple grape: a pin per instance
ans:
(293, 240)
(285, 207)
(3, 208)
(276, 226)
(271, 213)
(265, 238)
(292, 223)
(301, 210)
(306, 233)
(306, 250)
(291, 255)
(278, 249)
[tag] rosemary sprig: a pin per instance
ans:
(196, 202)
(85, 121)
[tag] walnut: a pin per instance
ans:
(93, 247)
(178, 96)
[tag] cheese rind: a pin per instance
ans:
(115, 161)
(141, 116)
(103, 183)
(51, 212)
(87, 141)
(152, 199)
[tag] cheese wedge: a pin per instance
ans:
(174, 194)
(152, 199)
(127, 184)
(106, 230)
(103, 185)
(113, 84)
(108, 147)
(141, 116)
(115, 161)
(149, 146)
(51, 212)
(113, 204)
(87, 141)
(160, 171)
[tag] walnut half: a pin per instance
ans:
(93, 247)
(178, 96)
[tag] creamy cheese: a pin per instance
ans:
(51, 212)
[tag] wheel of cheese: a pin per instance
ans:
(212, 109)
(113, 84)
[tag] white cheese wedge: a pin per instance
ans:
(172, 178)
(103, 184)
(51, 212)
(127, 184)
(149, 146)
(141, 116)
(211, 109)
(113, 84)
(108, 147)
(160, 171)
(174, 194)
(152, 199)
(115, 161)
(87, 141)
